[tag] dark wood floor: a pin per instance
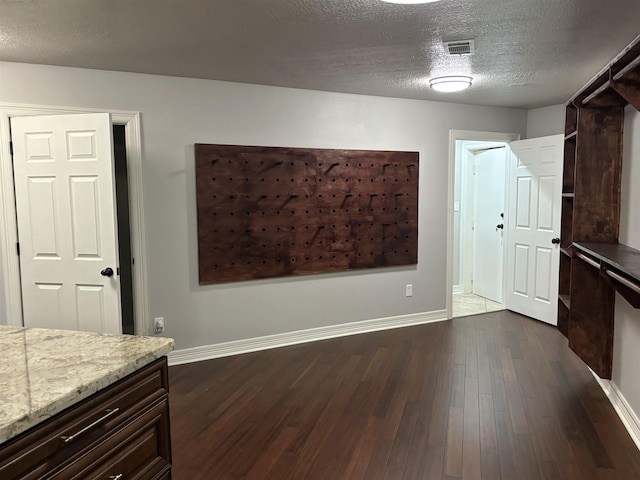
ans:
(494, 397)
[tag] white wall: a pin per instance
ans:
(176, 113)
(457, 215)
(545, 121)
(626, 346)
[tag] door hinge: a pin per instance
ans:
(11, 148)
(18, 248)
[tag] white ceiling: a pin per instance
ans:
(529, 53)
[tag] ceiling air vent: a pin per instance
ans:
(459, 47)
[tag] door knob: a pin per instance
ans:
(555, 241)
(107, 272)
(500, 226)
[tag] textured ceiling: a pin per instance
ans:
(529, 53)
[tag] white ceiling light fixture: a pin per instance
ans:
(410, 2)
(452, 83)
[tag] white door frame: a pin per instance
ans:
(9, 238)
(462, 135)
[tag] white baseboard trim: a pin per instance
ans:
(458, 289)
(622, 408)
(208, 352)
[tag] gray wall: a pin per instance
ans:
(177, 112)
(545, 121)
(627, 321)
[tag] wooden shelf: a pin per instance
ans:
(630, 67)
(625, 74)
(614, 255)
(568, 195)
(620, 263)
(627, 61)
(566, 300)
(604, 96)
(571, 137)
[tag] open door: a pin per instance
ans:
(489, 206)
(533, 227)
(66, 215)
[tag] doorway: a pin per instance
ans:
(124, 228)
(478, 169)
(479, 206)
(127, 134)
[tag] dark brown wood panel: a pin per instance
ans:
(270, 212)
(591, 323)
(571, 120)
(564, 306)
(569, 165)
(596, 205)
(566, 222)
(490, 397)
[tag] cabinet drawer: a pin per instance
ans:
(139, 451)
(67, 435)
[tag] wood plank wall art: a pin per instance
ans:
(271, 212)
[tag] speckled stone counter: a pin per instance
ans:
(43, 371)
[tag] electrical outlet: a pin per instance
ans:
(408, 290)
(158, 325)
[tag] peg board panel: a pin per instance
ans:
(271, 212)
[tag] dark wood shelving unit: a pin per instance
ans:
(591, 184)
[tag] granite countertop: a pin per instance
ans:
(44, 371)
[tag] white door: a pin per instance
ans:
(489, 203)
(65, 202)
(533, 221)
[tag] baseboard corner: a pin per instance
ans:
(237, 347)
(620, 404)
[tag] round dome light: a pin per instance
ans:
(410, 2)
(450, 83)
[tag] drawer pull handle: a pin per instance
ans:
(71, 438)
(116, 477)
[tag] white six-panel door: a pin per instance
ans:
(533, 221)
(65, 202)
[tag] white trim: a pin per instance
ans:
(467, 198)
(10, 261)
(208, 352)
(629, 418)
(455, 135)
(457, 289)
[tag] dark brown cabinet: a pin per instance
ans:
(591, 186)
(120, 432)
